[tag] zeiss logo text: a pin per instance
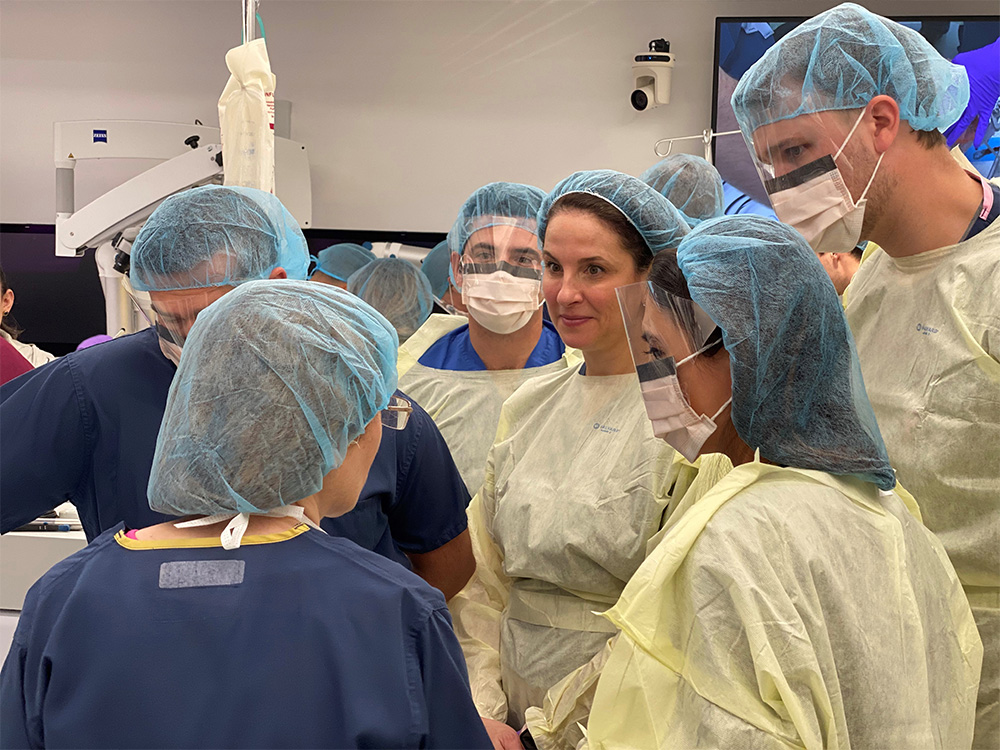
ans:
(926, 330)
(100, 136)
(605, 428)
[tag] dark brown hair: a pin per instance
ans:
(613, 219)
(666, 275)
(930, 139)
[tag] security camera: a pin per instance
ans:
(651, 72)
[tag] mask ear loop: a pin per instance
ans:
(877, 164)
(726, 403)
(708, 346)
(874, 172)
(848, 138)
(703, 349)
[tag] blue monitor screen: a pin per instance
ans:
(740, 42)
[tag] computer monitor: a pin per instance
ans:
(57, 301)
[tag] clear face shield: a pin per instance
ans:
(808, 165)
(500, 273)
(665, 332)
(173, 315)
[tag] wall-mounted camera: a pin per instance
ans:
(651, 72)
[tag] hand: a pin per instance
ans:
(502, 736)
(983, 67)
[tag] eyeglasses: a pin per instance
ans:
(397, 413)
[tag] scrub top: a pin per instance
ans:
(454, 351)
(83, 429)
(295, 639)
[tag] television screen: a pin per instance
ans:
(58, 302)
(740, 42)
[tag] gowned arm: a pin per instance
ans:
(477, 610)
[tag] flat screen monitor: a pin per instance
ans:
(740, 42)
(58, 302)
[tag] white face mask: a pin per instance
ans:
(815, 201)
(673, 418)
(499, 302)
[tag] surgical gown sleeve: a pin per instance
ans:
(47, 433)
(477, 609)
(556, 725)
(850, 630)
(451, 717)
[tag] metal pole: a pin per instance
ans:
(249, 20)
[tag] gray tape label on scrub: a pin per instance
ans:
(189, 574)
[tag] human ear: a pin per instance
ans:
(884, 112)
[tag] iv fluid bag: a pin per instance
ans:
(246, 118)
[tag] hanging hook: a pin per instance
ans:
(706, 136)
(665, 154)
(670, 143)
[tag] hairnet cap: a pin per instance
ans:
(341, 260)
(216, 236)
(499, 203)
(277, 378)
(690, 183)
(436, 267)
(798, 394)
(398, 290)
(842, 59)
(661, 225)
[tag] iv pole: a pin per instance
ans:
(250, 20)
(705, 137)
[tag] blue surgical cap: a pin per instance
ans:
(798, 394)
(844, 58)
(436, 267)
(277, 378)
(689, 182)
(654, 217)
(398, 290)
(499, 203)
(216, 236)
(340, 261)
(496, 204)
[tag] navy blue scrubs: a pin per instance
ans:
(83, 429)
(295, 639)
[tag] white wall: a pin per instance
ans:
(406, 106)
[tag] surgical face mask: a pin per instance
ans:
(499, 302)
(673, 418)
(815, 201)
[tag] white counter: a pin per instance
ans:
(25, 556)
